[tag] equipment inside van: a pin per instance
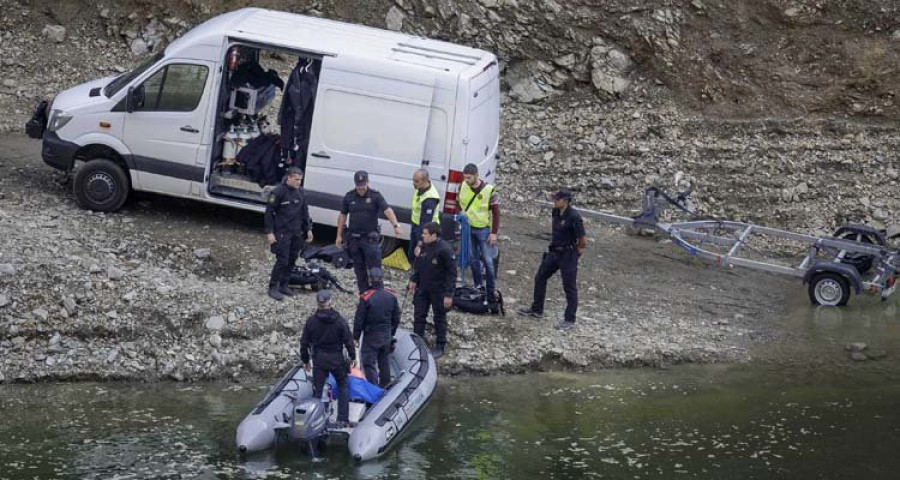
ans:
(225, 109)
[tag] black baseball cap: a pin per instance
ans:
(376, 274)
(361, 178)
(323, 296)
(563, 192)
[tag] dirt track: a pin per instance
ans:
(142, 302)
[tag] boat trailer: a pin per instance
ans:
(855, 259)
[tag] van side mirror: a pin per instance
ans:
(129, 100)
(134, 99)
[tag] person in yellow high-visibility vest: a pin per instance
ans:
(425, 203)
(478, 201)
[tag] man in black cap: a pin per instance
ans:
(377, 316)
(363, 204)
(565, 249)
(327, 333)
(433, 282)
(288, 227)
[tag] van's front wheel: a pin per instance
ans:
(101, 185)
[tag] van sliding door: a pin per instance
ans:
(369, 116)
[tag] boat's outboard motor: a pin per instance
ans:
(310, 420)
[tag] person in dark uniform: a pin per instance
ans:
(433, 282)
(288, 228)
(363, 204)
(327, 334)
(565, 249)
(377, 316)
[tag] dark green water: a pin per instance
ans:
(686, 422)
(809, 413)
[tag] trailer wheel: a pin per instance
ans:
(829, 289)
(101, 185)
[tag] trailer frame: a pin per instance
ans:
(857, 256)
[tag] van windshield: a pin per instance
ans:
(119, 82)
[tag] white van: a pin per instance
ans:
(385, 102)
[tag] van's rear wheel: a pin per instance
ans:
(829, 289)
(101, 185)
(388, 245)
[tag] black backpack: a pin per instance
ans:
(304, 277)
(313, 276)
(473, 300)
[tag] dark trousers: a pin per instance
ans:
(286, 248)
(567, 263)
(366, 254)
(375, 350)
(434, 299)
(334, 364)
(415, 236)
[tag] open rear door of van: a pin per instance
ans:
(483, 127)
(369, 115)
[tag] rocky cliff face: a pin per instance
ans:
(769, 106)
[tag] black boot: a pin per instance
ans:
(286, 290)
(275, 294)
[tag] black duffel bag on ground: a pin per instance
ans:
(473, 300)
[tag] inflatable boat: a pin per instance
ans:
(289, 414)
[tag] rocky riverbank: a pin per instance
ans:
(169, 289)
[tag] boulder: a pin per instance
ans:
(56, 33)
(215, 323)
(609, 69)
(394, 19)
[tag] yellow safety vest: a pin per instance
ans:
(479, 212)
(419, 198)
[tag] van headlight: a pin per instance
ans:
(57, 120)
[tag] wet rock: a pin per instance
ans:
(394, 19)
(56, 33)
(856, 347)
(215, 323)
(858, 357)
(876, 355)
(202, 253)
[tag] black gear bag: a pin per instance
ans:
(473, 300)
